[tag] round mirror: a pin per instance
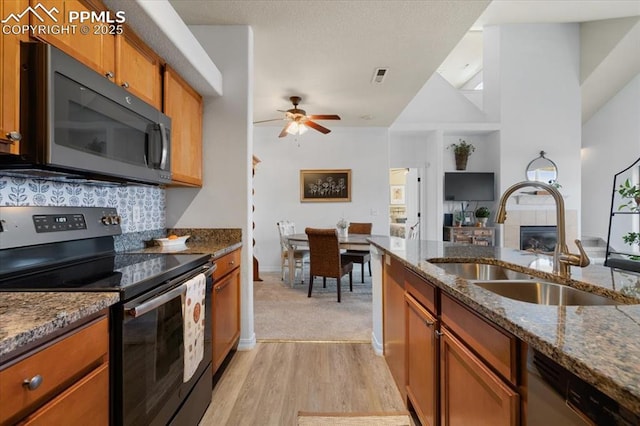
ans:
(541, 169)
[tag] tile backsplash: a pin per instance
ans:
(149, 201)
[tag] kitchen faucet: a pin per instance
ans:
(562, 258)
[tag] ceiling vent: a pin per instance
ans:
(379, 75)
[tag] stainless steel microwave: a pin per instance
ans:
(75, 120)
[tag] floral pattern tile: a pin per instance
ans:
(149, 200)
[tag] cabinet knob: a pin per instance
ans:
(438, 333)
(429, 323)
(14, 136)
(33, 383)
(125, 85)
(232, 262)
(108, 74)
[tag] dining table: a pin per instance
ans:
(350, 242)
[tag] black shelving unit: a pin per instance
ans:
(623, 220)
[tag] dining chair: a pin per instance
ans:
(300, 255)
(325, 258)
(359, 256)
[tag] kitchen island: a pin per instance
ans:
(600, 344)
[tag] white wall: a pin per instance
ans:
(224, 201)
(277, 182)
(610, 143)
(540, 106)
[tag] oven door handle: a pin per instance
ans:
(154, 303)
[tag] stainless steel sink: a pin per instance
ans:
(482, 271)
(544, 293)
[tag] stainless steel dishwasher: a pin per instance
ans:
(558, 397)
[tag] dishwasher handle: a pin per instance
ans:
(156, 302)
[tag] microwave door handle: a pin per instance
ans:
(165, 146)
(156, 302)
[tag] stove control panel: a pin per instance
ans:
(59, 222)
(23, 226)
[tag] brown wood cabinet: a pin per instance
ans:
(458, 368)
(422, 361)
(394, 321)
(226, 307)
(65, 381)
(10, 81)
(138, 68)
(95, 49)
(184, 105)
(470, 392)
(112, 50)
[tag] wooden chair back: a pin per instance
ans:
(285, 228)
(360, 228)
(324, 253)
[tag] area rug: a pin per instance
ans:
(354, 419)
(283, 313)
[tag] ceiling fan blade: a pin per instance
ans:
(284, 133)
(324, 117)
(266, 121)
(316, 126)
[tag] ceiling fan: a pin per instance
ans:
(299, 121)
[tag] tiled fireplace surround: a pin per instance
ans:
(517, 218)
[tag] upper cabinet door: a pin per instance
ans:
(138, 68)
(10, 81)
(184, 106)
(96, 49)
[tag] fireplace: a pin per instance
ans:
(538, 238)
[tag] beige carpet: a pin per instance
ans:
(284, 313)
(354, 419)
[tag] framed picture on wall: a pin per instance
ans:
(397, 194)
(325, 185)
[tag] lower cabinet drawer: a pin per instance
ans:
(226, 263)
(56, 366)
(86, 402)
(495, 346)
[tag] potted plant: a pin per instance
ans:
(630, 194)
(458, 218)
(462, 150)
(482, 215)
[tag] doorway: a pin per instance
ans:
(405, 202)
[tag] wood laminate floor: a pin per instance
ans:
(270, 384)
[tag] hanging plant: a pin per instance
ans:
(462, 150)
(630, 194)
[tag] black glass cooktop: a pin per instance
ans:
(128, 273)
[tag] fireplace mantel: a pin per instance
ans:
(538, 199)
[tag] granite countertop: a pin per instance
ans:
(600, 344)
(214, 241)
(27, 317)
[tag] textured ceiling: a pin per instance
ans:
(327, 51)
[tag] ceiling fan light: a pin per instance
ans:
(302, 129)
(293, 128)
